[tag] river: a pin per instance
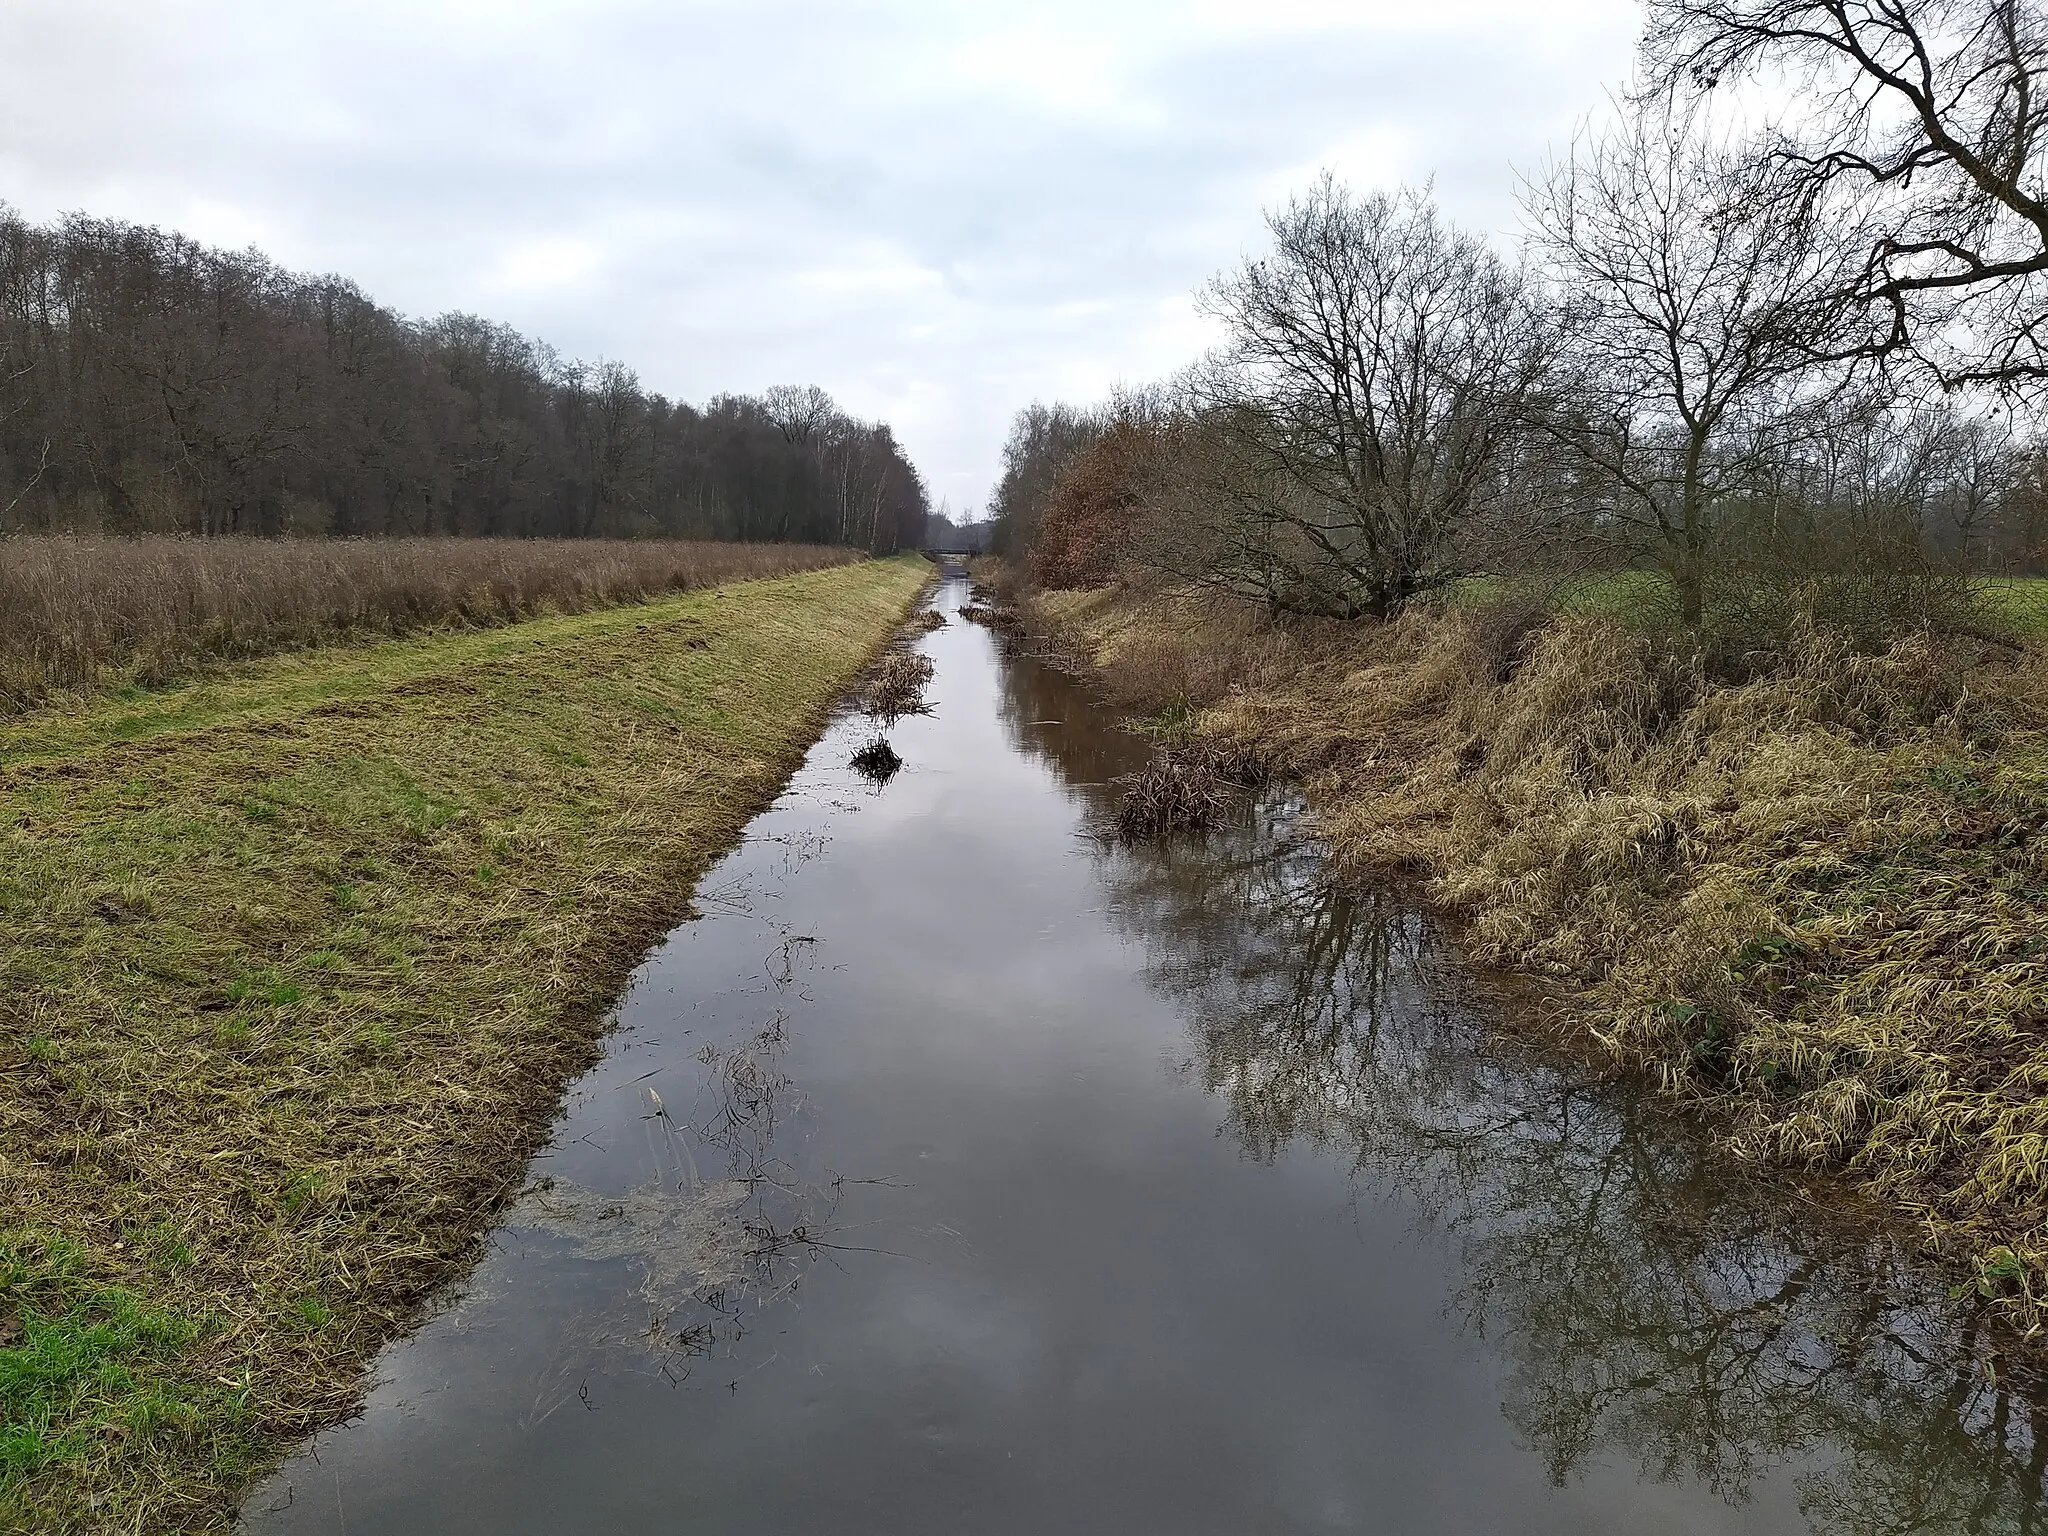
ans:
(956, 1170)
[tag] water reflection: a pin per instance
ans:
(1286, 1284)
(1646, 1302)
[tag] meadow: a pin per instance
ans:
(80, 615)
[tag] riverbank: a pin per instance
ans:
(296, 963)
(1815, 904)
(88, 616)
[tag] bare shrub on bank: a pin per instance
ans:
(1692, 301)
(1363, 403)
(78, 613)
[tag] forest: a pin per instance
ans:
(151, 384)
(1740, 351)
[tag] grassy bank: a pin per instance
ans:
(84, 614)
(294, 965)
(1815, 903)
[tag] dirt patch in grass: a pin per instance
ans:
(294, 965)
(1814, 903)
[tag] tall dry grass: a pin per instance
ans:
(1816, 898)
(78, 614)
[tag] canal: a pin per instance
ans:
(957, 1170)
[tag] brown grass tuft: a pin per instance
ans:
(895, 687)
(1184, 787)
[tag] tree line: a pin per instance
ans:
(149, 383)
(1758, 360)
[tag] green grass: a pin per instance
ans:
(294, 963)
(2016, 603)
(90, 1371)
(2020, 602)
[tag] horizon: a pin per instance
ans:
(938, 215)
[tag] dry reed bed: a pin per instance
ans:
(77, 614)
(895, 686)
(292, 976)
(1817, 901)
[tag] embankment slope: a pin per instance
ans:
(1813, 903)
(294, 965)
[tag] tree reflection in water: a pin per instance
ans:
(1646, 1301)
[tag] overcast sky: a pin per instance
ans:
(937, 211)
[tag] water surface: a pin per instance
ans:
(956, 1171)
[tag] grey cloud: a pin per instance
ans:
(936, 211)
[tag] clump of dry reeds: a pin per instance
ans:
(989, 616)
(927, 621)
(992, 603)
(82, 613)
(877, 762)
(1185, 787)
(895, 687)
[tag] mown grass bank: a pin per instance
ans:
(294, 965)
(1814, 903)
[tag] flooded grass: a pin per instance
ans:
(895, 686)
(296, 963)
(877, 762)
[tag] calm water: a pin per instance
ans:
(956, 1172)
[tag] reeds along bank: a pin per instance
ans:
(79, 613)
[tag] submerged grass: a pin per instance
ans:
(294, 964)
(1816, 901)
(896, 684)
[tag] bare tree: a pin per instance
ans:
(1363, 403)
(1926, 117)
(1693, 302)
(1043, 444)
(798, 410)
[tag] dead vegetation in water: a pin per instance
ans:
(877, 762)
(927, 621)
(1816, 898)
(989, 615)
(895, 686)
(1185, 787)
(993, 601)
